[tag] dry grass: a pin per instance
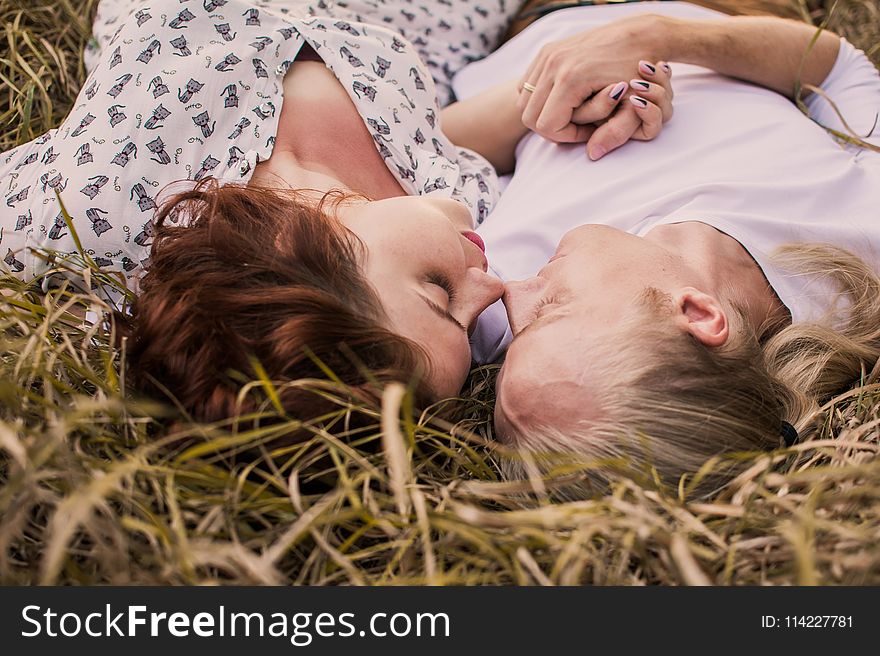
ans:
(93, 489)
(858, 20)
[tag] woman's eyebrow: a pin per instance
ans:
(442, 313)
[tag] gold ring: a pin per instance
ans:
(528, 87)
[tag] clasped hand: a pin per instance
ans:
(598, 87)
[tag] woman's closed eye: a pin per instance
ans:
(442, 281)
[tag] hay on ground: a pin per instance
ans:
(95, 488)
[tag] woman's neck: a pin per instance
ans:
(322, 142)
(283, 169)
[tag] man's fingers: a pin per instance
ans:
(615, 132)
(547, 107)
(535, 101)
(524, 96)
(654, 93)
(533, 73)
(536, 66)
(601, 105)
(557, 111)
(651, 117)
(574, 133)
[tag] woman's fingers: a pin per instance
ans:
(651, 117)
(601, 105)
(615, 132)
(659, 72)
(636, 118)
(653, 93)
(656, 75)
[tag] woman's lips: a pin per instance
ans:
(477, 241)
(474, 237)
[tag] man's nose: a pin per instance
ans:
(521, 298)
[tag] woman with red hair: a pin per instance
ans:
(326, 225)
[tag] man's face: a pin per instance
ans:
(584, 294)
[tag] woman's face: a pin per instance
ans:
(430, 275)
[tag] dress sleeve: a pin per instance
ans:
(853, 85)
(109, 17)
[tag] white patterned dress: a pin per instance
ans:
(448, 34)
(191, 89)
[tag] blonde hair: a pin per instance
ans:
(669, 404)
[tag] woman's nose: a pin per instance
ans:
(521, 298)
(485, 290)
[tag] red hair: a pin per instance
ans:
(261, 276)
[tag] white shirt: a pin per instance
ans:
(735, 156)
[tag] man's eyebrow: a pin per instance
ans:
(443, 313)
(544, 321)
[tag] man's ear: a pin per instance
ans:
(702, 316)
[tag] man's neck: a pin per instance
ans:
(727, 270)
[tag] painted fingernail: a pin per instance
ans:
(618, 90)
(666, 68)
(647, 68)
(639, 85)
(638, 102)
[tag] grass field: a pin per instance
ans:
(94, 488)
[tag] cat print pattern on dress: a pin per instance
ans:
(185, 92)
